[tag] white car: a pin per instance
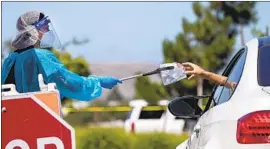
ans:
(141, 119)
(236, 118)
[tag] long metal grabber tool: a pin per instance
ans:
(148, 73)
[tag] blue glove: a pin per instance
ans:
(108, 82)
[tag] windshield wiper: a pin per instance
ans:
(266, 89)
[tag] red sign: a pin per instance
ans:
(27, 123)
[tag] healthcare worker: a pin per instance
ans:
(32, 56)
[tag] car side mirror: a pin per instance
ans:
(185, 107)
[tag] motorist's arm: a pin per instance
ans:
(194, 70)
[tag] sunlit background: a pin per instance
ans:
(124, 38)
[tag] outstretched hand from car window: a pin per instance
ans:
(196, 71)
(193, 70)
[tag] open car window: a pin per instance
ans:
(234, 76)
(233, 71)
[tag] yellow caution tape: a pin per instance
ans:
(111, 109)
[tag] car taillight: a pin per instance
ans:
(254, 128)
(132, 128)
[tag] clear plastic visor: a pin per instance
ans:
(47, 35)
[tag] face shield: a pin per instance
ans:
(47, 36)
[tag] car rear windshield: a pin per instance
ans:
(146, 114)
(264, 65)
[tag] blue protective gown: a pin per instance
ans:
(32, 62)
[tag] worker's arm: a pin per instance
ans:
(194, 70)
(68, 83)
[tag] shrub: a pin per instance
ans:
(158, 141)
(116, 138)
(103, 138)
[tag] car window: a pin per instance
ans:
(154, 114)
(263, 65)
(233, 72)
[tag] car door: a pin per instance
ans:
(202, 130)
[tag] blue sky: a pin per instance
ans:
(118, 31)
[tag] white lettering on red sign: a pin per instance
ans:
(41, 142)
(17, 143)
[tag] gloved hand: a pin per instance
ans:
(109, 82)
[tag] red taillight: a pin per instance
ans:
(132, 128)
(254, 128)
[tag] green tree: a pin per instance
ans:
(242, 14)
(150, 91)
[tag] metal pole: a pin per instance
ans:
(131, 77)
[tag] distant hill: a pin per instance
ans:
(121, 70)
